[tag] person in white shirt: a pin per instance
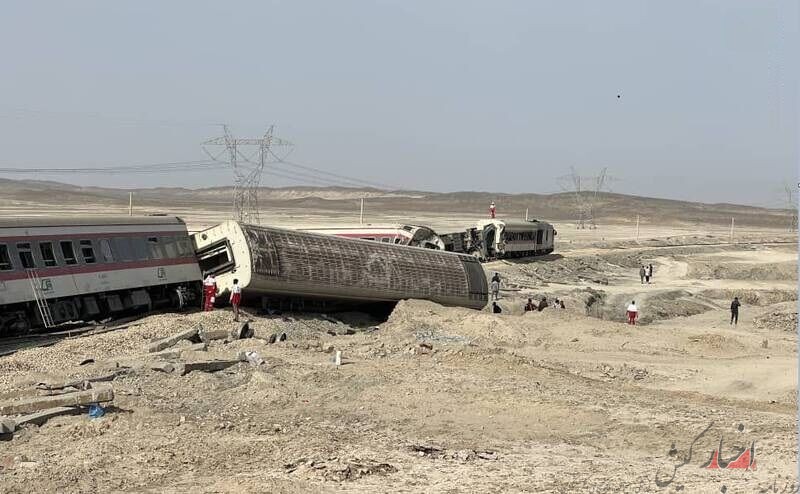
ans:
(633, 313)
(236, 299)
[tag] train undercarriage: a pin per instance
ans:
(26, 317)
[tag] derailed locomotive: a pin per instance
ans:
(54, 270)
(272, 262)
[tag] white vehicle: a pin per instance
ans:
(55, 269)
(411, 235)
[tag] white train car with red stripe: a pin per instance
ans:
(54, 270)
(411, 235)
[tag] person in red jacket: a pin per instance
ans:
(209, 292)
(492, 210)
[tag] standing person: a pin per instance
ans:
(236, 299)
(209, 292)
(492, 210)
(496, 308)
(647, 275)
(530, 306)
(642, 273)
(494, 286)
(556, 305)
(633, 313)
(496, 277)
(735, 311)
(562, 304)
(650, 271)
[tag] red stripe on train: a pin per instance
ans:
(96, 268)
(56, 237)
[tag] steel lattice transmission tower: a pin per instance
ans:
(247, 157)
(791, 204)
(585, 192)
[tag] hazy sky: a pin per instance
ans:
(455, 95)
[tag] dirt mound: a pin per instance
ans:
(653, 306)
(704, 270)
(751, 297)
(717, 343)
(782, 319)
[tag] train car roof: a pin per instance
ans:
(56, 221)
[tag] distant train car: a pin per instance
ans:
(272, 262)
(411, 235)
(54, 269)
(501, 239)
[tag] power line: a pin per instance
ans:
(112, 169)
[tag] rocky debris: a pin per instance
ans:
(177, 351)
(250, 356)
(188, 334)
(777, 321)
(99, 393)
(438, 452)
(339, 470)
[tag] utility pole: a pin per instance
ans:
(361, 216)
(732, 223)
(637, 227)
(247, 167)
(526, 214)
(130, 203)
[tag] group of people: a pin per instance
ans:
(632, 312)
(210, 292)
(646, 273)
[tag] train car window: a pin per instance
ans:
(397, 240)
(87, 251)
(184, 247)
(170, 247)
(139, 249)
(539, 235)
(154, 248)
(48, 256)
(386, 240)
(68, 252)
(105, 249)
(368, 238)
(122, 247)
(5, 259)
(25, 255)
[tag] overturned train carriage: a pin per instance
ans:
(272, 262)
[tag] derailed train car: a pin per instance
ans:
(273, 262)
(55, 269)
(502, 239)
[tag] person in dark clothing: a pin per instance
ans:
(530, 306)
(562, 305)
(650, 272)
(735, 311)
(496, 308)
(642, 272)
(542, 304)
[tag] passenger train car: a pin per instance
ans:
(54, 270)
(278, 263)
(501, 239)
(412, 235)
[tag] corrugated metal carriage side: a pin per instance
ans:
(60, 269)
(277, 262)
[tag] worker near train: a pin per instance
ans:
(530, 306)
(632, 312)
(209, 292)
(642, 273)
(492, 210)
(494, 287)
(236, 299)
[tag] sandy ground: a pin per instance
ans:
(453, 400)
